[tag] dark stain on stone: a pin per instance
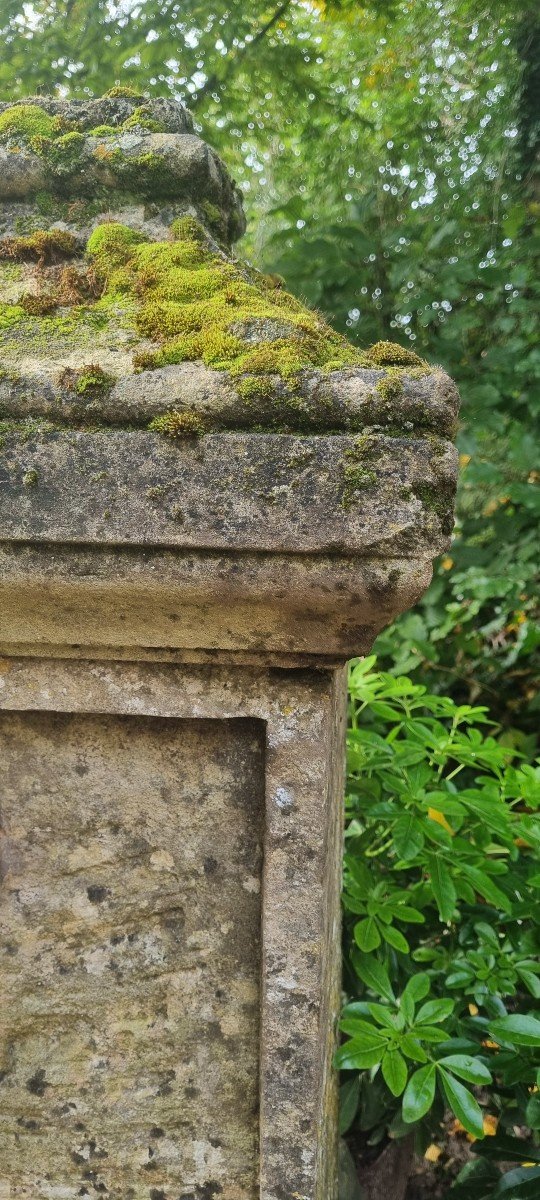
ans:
(157, 1132)
(207, 1191)
(210, 865)
(37, 1084)
(28, 1124)
(96, 894)
(157, 1194)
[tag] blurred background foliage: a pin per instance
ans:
(389, 157)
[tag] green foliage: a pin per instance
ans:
(441, 942)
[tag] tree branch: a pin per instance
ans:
(216, 81)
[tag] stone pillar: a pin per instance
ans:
(208, 502)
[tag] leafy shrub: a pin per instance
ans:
(441, 966)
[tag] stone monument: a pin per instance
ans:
(209, 500)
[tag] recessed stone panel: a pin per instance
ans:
(130, 968)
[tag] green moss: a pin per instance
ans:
(42, 246)
(92, 381)
(390, 354)
(148, 174)
(26, 121)
(357, 473)
(437, 498)
(141, 118)
(30, 478)
(391, 386)
(216, 219)
(11, 315)
(25, 430)
(198, 305)
(103, 131)
(119, 91)
(188, 229)
(64, 155)
(175, 424)
(112, 246)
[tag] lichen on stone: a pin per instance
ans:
(357, 473)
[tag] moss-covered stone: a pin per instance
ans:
(357, 473)
(390, 387)
(194, 301)
(391, 354)
(26, 121)
(119, 92)
(175, 424)
(64, 155)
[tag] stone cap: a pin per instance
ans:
(160, 396)
(106, 152)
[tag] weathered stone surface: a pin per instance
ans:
(346, 399)
(94, 809)
(236, 491)
(176, 605)
(130, 991)
(173, 604)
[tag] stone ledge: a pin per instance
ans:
(373, 495)
(349, 399)
(83, 601)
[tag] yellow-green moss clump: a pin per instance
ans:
(119, 91)
(26, 121)
(198, 305)
(390, 354)
(175, 424)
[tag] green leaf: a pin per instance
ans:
(504, 1148)
(430, 1033)
(434, 1010)
(357, 1056)
(363, 1031)
(483, 884)
(531, 981)
(443, 888)
(395, 938)
(382, 1015)
(374, 975)
(411, 916)
(419, 1094)
(394, 1071)
(516, 1030)
(520, 1184)
(475, 1181)
(349, 1095)
(417, 987)
(532, 1112)
(463, 1104)
(408, 836)
(366, 935)
(466, 1067)
(412, 1048)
